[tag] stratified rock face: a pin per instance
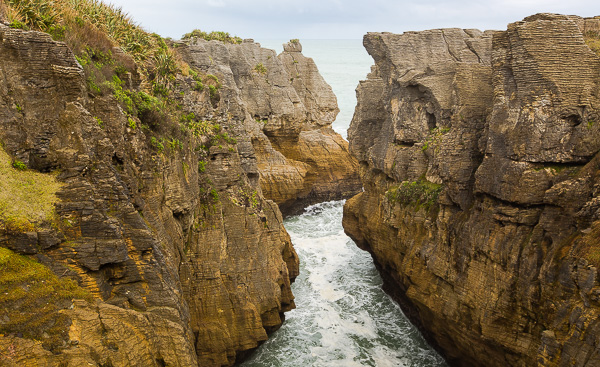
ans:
(288, 110)
(479, 157)
(186, 265)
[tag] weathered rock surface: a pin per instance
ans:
(186, 266)
(500, 269)
(288, 109)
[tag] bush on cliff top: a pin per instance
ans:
(91, 28)
(214, 35)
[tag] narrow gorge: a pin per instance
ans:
(144, 183)
(479, 158)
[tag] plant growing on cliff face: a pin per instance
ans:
(19, 165)
(260, 68)
(156, 143)
(131, 123)
(213, 91)
(435, 138)
(201, 166)
(420, 193)
(215, 80)
(99, 122)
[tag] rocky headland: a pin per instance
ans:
(289, 109)
(139, 217)
(479, 158)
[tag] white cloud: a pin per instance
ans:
(216, 3)
(269, 19)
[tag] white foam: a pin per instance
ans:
(342, 318)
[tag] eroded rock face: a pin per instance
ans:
(186, 266)
(288, 109)
(479, 158)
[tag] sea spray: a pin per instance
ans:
(343, 318)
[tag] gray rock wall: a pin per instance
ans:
(479, 159)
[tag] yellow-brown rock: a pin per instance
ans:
(479, 158)
(289, 110)
(183, 259)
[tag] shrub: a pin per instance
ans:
(416, 193)
(19, 165)
(201, 166)
(260, 68)
(214, 35)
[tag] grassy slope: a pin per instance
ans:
(26, 197)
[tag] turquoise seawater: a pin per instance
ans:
(343, 318)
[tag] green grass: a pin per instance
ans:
(26, 197)
(31, 297)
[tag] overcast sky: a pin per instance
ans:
(336, 19)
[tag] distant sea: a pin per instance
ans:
(342, 63)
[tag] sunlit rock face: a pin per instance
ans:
(183, 259)
(288, 110)
(478, 153)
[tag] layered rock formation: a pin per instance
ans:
(479, 157)
(289, 110)
(179, 258)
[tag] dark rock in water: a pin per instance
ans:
(479, 158)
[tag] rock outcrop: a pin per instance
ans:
(179, 257)
(289, 110)
(479, 158)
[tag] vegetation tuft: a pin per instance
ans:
(260, 68)
(214, 35)
(420, 193)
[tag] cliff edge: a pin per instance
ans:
(479, 157)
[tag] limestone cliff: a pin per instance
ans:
(289, 110)
(159, 230)
(479, 158)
